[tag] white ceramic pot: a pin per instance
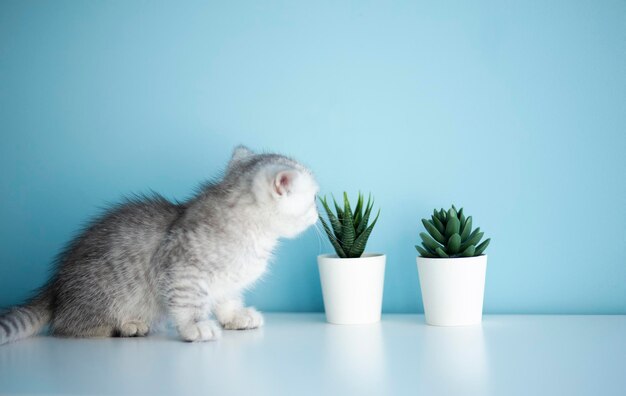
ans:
(352, 287)
(452, 289)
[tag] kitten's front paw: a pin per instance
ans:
(246, 318)
(205, 330)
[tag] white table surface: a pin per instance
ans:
(299, 354)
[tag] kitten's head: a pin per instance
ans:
(284, 191)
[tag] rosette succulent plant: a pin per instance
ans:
(450, 235)
(349, 230)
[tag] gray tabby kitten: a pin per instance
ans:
(149, 257)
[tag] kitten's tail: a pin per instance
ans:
(25, 320)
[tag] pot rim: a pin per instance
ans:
(333, 256)
(451, 258)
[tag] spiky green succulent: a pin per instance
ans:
(450, 235)
(349, 230)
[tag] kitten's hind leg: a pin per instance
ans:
(80, 321)
(86, 332)
(133, 328)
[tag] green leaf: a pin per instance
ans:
(333, 240)
(334, 222)
(441, 253)
(347, 209)
(431, 251)
(433, 231)
(359, 244)
(442, 215)
(423, 252)
(438, 224)
(473, 239)
(347, 228)
(454, 244)
(358, 211)
(452, 213)
(454, 207)
(453, 226)
(366, 215)
(437, 214)
(467, 228)
(430, 242)
(338, 209)
(469, 252)
(481, 248)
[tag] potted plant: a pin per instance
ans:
(452, 268)
(352, 281)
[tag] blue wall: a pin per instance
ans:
(515, 110)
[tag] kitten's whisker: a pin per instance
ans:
(319, 238)
(332, 237)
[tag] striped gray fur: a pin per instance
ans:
(148, 258)
(24, 321)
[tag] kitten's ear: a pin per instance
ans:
(283, 182)
(239, 153)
